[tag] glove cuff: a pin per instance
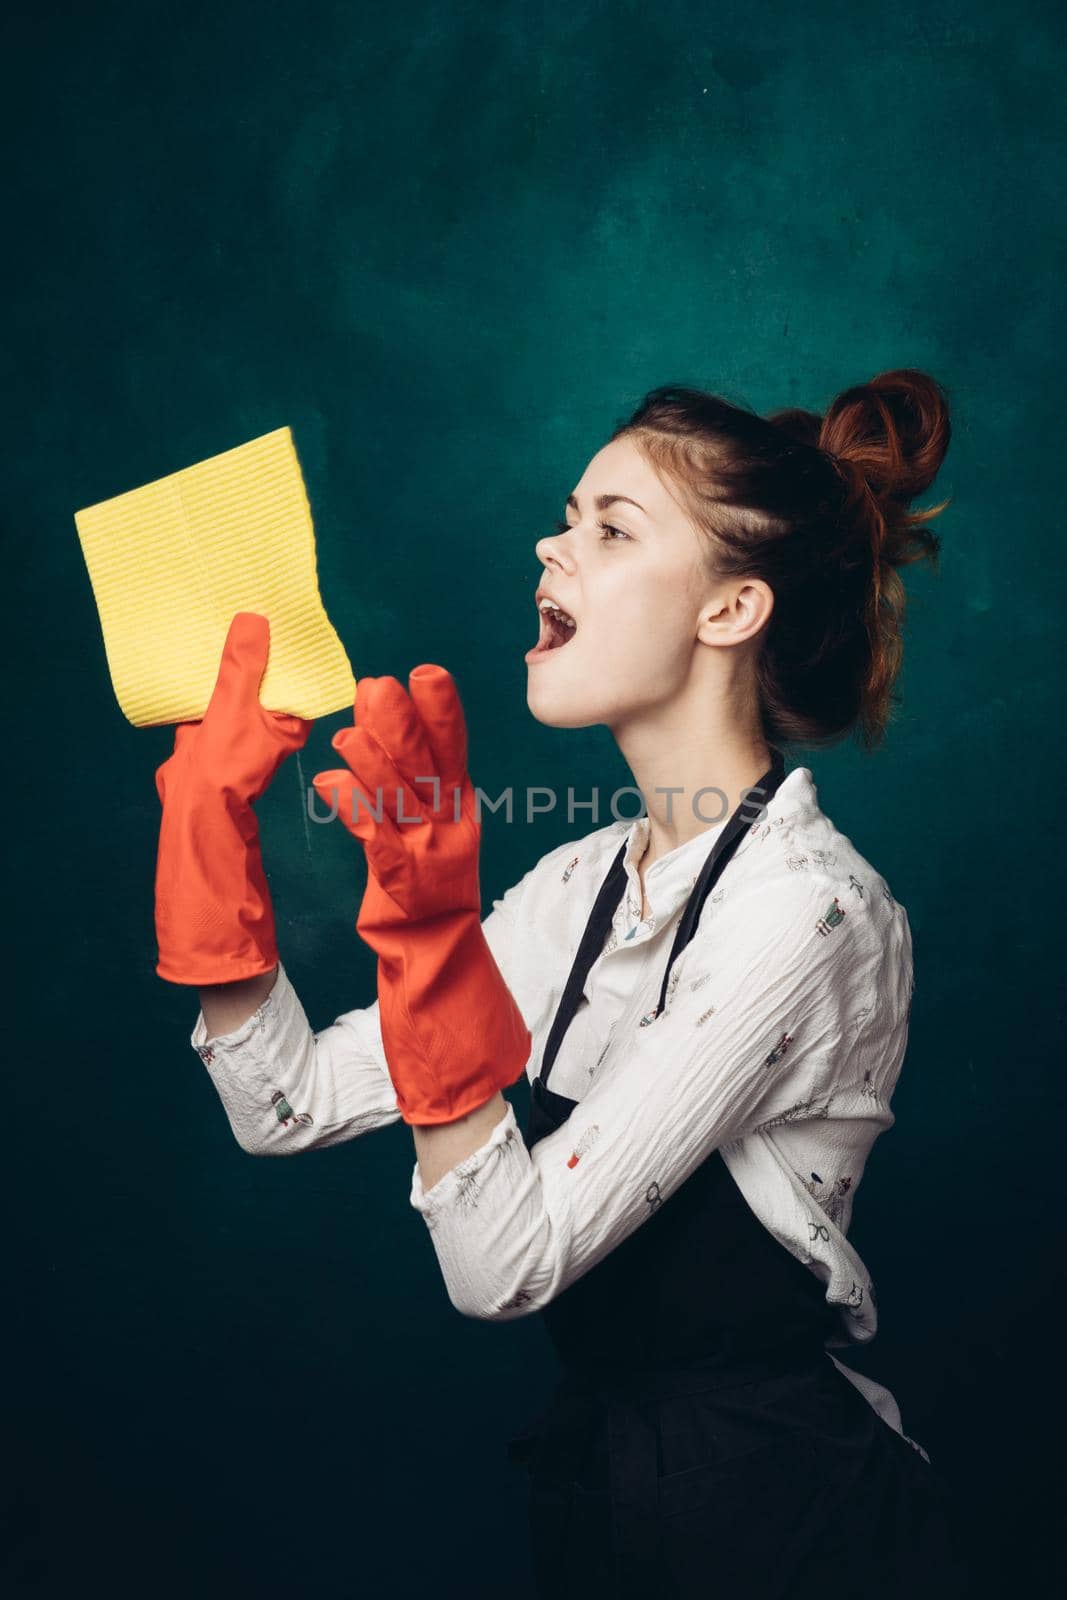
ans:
(452, 1031)
(213, 913)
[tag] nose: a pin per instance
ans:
(553, 550)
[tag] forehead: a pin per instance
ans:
(620, 467)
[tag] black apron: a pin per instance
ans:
(696, 1385)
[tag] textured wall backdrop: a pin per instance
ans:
(452, 245)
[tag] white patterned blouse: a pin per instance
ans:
(781, 1042)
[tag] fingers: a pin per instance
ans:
(340, 791)
(399, 738)
(395, 740)
(377, 776)
(184, 732)
(384, 711)
(436, 699)
(346, 796)
(291, 731)
(243, 663)
(235, 698)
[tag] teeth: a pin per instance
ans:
(550, 605)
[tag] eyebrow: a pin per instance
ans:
(603, 501)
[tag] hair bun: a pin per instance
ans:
(895, 429)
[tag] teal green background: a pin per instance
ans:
(451, 246)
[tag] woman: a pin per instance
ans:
(718, 991)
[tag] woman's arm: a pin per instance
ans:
(439, 1148)
(768, 1031)
(286, 1088)
(225, 1006)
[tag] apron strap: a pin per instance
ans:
(592, 943)
(718, 858)
(611, 892)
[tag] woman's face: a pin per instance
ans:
(631, 574)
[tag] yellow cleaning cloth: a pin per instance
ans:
(172, 561)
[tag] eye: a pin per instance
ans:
(564, 527)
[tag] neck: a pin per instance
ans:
(692, 779)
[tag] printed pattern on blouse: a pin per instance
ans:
(780, 1042)
(800, 1087)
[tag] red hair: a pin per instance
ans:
(817, 507)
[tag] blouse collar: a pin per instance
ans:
(671, 877)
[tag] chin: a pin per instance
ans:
(561, 710)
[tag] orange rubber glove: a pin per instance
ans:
(452, 1032)
(214, 918)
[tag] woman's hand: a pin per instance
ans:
(423, 852)
(238, 745)
(452, 1032)
(214, 919)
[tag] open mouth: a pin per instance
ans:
(557, 630)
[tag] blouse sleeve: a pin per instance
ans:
(759, 1033)
(286, 1088)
